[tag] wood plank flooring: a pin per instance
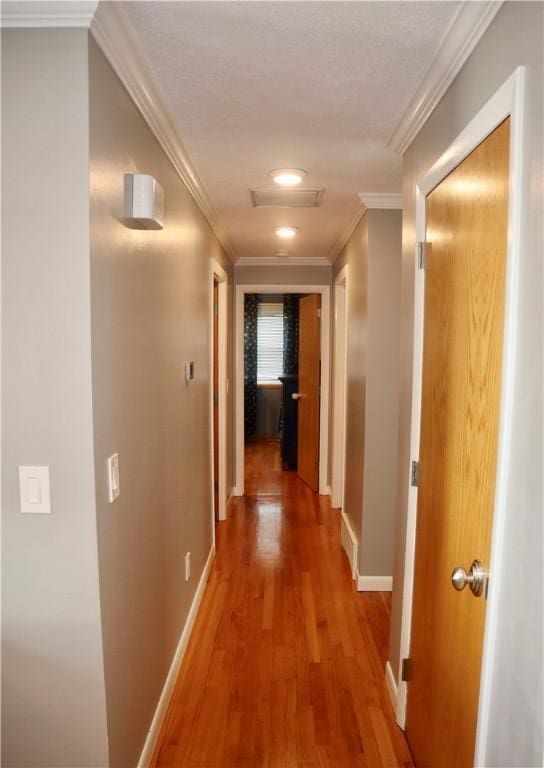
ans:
(285, 666)
(263, 472)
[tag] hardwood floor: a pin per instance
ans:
(285, 666)
(263, 471)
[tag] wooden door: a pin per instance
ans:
(309, 370)
(216, 399)
(466, 219)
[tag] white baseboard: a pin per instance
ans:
(391, 686)
(400, 712)
(375, 584)
(325, 490)
(164, 700)
(237, 491)
(349, 543)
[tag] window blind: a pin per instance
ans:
(269, 342)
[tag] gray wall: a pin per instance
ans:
(282, 275)
(355, 254)
(53, 705)
(373, 257)
(382, 393)
(150, 313)
(97, 322)
(515, 735)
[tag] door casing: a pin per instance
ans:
(324, 410)
(462, 355)
(340, 387)
(508, 101)
(218, 274)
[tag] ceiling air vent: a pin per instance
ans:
(286, 198)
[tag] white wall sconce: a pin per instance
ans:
(144, 202)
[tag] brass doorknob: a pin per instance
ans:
(476, 578)
(296, 396)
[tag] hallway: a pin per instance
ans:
(230, 224)
(285, 663)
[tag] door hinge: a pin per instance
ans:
(215, 310)
(215, 398)
(406, 670)
(414, 474)
(423, 254)
(319, 312)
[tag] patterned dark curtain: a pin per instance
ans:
(290, 333)
(251, 303)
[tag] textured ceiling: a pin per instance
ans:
(317, 85)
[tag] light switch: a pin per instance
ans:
(34, 490)
(112, 468)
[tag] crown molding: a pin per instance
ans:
(382, 200)
(44, 13)
(111, 31)
(347, 232)
(367, 200)
(457, 43)
(283, 261)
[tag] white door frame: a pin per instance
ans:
(324, 291)
(340, 387)
(508, 101)
(217, 273)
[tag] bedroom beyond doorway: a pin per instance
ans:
(282, 367)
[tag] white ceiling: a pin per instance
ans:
(257, 85)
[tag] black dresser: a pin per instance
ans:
(289, 422)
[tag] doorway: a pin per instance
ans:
(506, 104)
(282, 363)
(265, 341)
(320, 394)
(465, 260)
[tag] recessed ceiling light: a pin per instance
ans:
(286, 231)
(288, 177)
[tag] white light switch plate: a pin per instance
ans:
(112, 469)
(34, 490)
